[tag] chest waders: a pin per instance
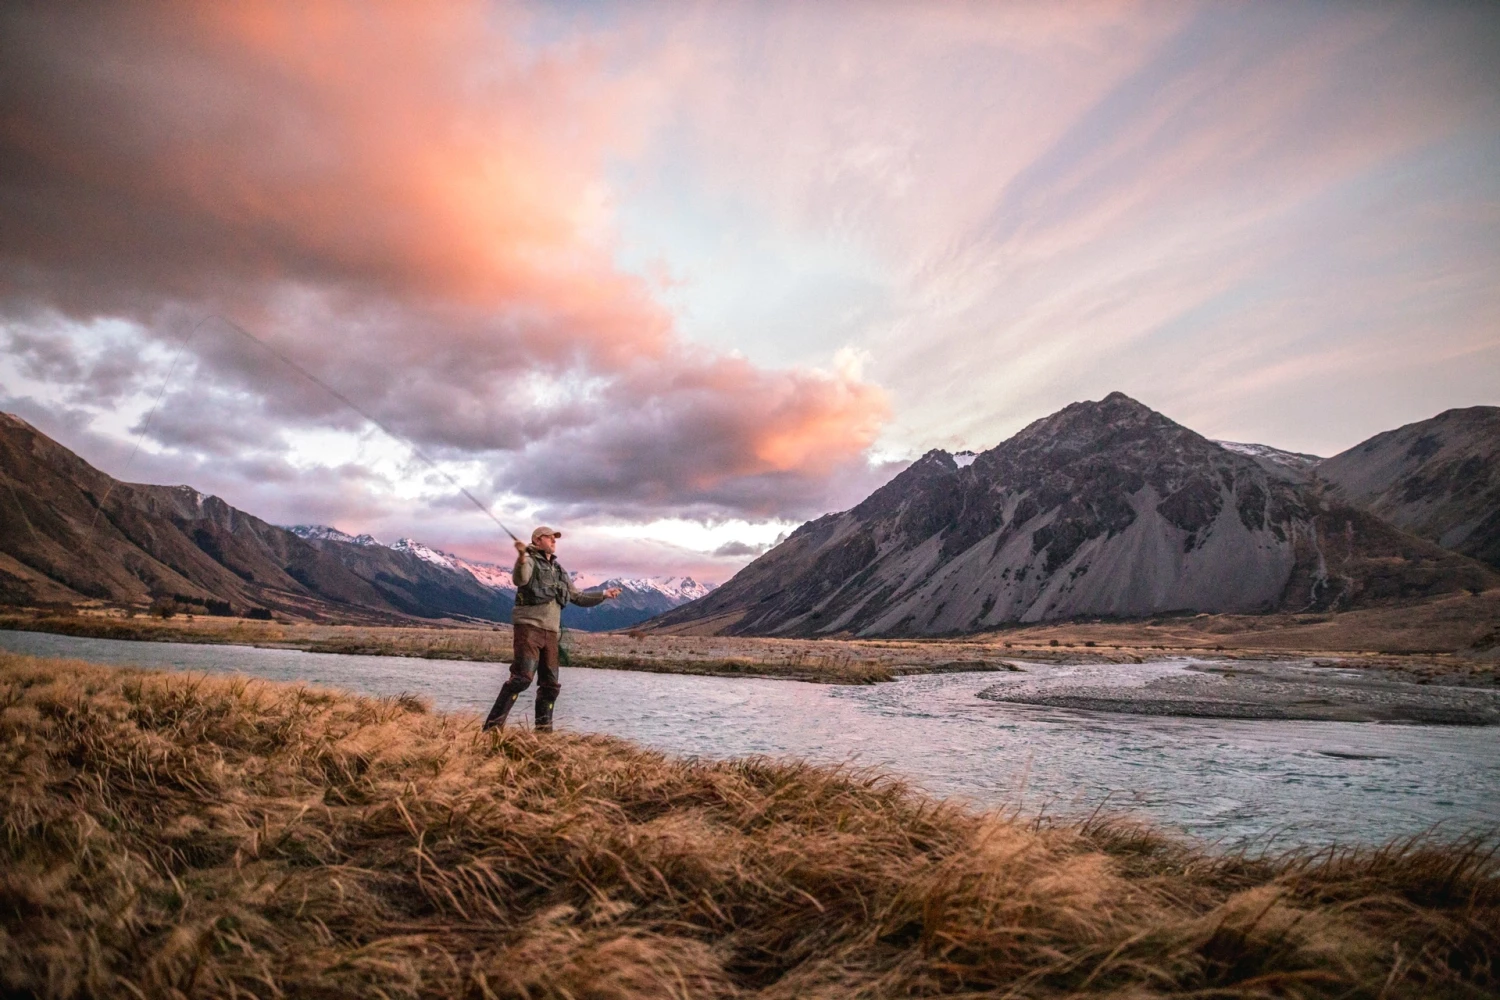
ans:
(534, 649)
(535, 655)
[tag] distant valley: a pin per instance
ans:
(1104, 510)
(640, 597)
(71, 534)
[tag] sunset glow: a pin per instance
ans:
(729, 265)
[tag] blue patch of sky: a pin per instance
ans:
(741, 279)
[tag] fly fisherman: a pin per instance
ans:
(543, 589)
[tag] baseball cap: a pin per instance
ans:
(544, 531)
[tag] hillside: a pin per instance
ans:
(640, 598)
(1104, 508)
(69, 532)
(1437, 478)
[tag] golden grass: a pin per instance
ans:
(803, 665)
(1447, 639)
(818, 661)
(176, 835)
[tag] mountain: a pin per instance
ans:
(1274, 460)
(70, 532)
(1104, 508)
(323, 533)
(411, 577)
(640, 598)
(1437, 478)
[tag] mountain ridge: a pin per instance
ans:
(640, 598)
(77, 533)
(1103, 508)
(1437, 478)
(70, 533)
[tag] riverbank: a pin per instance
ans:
(816, 661)
(1446, 641)
(175, 834)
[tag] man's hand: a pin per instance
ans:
(612, 592)
(521, 547)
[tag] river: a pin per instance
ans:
(1234, 782)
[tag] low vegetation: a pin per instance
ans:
(835, 662)
(803, 665)
(175, 835)
(1446, 640)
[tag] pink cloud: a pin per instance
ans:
(411, 202)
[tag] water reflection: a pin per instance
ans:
(1232, 781)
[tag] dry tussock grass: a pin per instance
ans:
(172, 835)
(803, 665)
(431, 644)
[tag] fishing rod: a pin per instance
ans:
(351, 404)
(284, 359)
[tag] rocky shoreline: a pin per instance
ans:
(1241, 690)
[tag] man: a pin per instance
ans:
(543, 589)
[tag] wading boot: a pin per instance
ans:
(503, 705)
(544, 703)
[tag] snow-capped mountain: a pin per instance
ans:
(640, 598)
(674, 588)
(486, 573)
(490, 574)
(424, 552)
(322, 532)
(1265, 453)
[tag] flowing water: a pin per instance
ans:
(1231, 781)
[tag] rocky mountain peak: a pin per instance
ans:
(1106, 507)
(324, 532)
(935, 461)
(1091, 426)
(937, 464)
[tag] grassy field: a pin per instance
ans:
(173, 835)
(831, 662)
(1449, 637)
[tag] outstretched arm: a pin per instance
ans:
(590, 598)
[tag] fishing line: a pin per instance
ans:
(363, 413)
(284, 359)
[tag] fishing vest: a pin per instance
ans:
(548, 584)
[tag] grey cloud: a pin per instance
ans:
(44, 358)
(155, 169)
(738, 548)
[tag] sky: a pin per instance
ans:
(676, 277)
